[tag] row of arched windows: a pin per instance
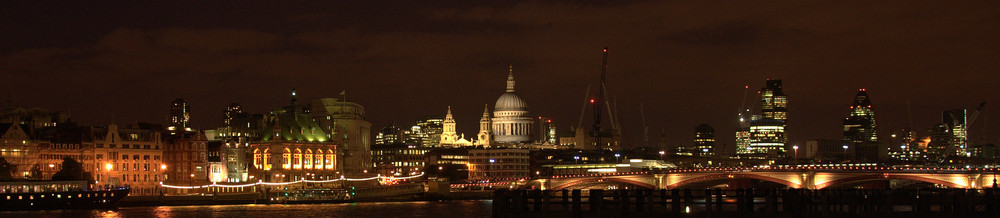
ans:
(309, 159)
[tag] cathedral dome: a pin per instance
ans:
(509, 101)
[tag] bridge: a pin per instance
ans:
(805, 177)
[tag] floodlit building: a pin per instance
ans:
(498, 163)
(956, 120)
(859, 125)
(399, 159)
(180, 117)
(704, 140)
(293, 145)
(767, 131)
(389, 135)
(187, 158)
(511, 124)
(130, 156)
(428, 131)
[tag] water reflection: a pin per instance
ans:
(372, 209)
(108, 214)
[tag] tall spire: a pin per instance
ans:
(486, 111)
(510, 78)
(448, 116)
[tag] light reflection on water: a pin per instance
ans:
(369, 209)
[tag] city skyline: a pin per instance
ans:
(684, 72)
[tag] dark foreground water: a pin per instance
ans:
(444, 209)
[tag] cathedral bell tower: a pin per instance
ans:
(485, 137)
(448, 135)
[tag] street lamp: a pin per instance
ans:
(576, 159)
(491, 167)
(617, 155)
(845, 152)
(661, 154)
(796, 148)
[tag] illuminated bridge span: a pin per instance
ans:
(814, 177)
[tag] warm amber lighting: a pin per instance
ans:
(109, 166)
(163, 167)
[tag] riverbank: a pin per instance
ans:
(417, 209)
(251, 198)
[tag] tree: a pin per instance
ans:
(36, 172)
(71, 170)
(6, 170)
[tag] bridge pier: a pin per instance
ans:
(808, 180)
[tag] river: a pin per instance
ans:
(444, 209)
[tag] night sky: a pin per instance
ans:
(686, 62)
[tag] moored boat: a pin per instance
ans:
(41, 195)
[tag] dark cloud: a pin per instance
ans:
(723, 34)
(685, 62)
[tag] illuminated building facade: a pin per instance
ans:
(293, 146)
(498, 163)
(451, 163)
(428, 131)
(859, 125)
(415, 136)
(216, 159)
(389, 135)
(17, 147)
(186, 157)
(511, 125)
(180, 116)
(941, 143)
(582, 139)
(399, 159)
(767, 131)
(704, 140)
(129, 156)
(51, 151)
(956, 120)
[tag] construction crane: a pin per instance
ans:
(600, 100)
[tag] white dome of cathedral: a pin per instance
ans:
(510, 123)
(509, 101)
